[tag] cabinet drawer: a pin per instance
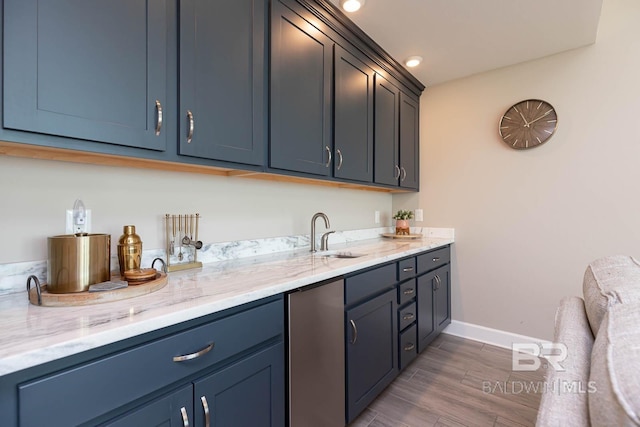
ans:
(103, 385)
(406, 268)
(433, 259)
(406, 291)
(406, 316)
(369, 283)
(408, 347)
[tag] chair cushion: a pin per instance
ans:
(615, 368)
(560, 404)
(610, 280)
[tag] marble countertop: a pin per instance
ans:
(32, 335)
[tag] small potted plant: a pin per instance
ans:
(402, 218)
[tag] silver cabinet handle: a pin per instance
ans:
(408, 316)
(397, 174)
(355, 331)
(326, 147)
(409, 347)
(404, 174)
(339, 159)
(438, 282)
(409, 291)
(192, 124)
(205, 406)
(406, 269)
(158, 117)
(436, 259)
(195, 355)
(185, 417)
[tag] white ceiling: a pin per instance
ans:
(458, 38)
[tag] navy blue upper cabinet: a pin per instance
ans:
(387, 102)
(88, 70)
(409, 142)
(353, 117)
(397, 139)
(223, 80)
(301, 78)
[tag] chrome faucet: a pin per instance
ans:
(313, 228)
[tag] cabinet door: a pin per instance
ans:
(409, 142)
(353, 118)
(386, 161)
(248, 393)
(223, 79)
(442, 298)
(301, 66)
(89, 70)
(170, 410)
(372, 357)
(426, 321)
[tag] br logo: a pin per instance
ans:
(526, 356)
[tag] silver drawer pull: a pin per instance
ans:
(408, 316)
(205, 406)
(397, 174)
(339, 153)
(404, 174)
(355, 331)
(409, 347)
(438, 282)
(326, 147)
(185, 417)
(158, 117)
(192, 124)
(195, 355)
(407, 269)
(436, 259)
(408, 291)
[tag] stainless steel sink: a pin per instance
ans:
(338, 254)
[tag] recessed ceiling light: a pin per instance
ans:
(413, 61)
(351, 5)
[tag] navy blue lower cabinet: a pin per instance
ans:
(442, 298)
(372, 356)
(170, 410)
(426, 323)
(249, 393)
(434, 304)
(222, 399)
(225, 362)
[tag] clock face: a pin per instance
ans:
(528, 124)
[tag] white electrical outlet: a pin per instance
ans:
(72, 228)
(419, 215)
(376, 217)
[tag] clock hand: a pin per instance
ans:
(541, 117)
(526, 123)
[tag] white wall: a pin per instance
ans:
(35, 194)
(528, 222)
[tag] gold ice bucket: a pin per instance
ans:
(77, 261)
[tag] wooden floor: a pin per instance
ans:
(457, 382)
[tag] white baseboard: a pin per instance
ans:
(491, 336)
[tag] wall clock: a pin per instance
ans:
(528, 124)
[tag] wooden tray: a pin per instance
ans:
(402, 236)
(48, 299)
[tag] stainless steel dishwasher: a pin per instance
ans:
(316, 356)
